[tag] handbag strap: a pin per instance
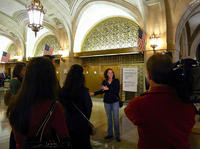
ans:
(47, 117)
(80, 111)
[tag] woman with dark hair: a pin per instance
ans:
(111, 88)
(31, 103)
(15, 84)
(75, 95)
(18, 74)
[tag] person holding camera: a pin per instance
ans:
(162, 118)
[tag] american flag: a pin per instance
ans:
(48, 50)
(141, 40)
(5, 57)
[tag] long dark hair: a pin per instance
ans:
(105, 74)
(39, 84)
(75, 81)
(17, 70)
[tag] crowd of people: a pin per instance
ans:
(163, 120)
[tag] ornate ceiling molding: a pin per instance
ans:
(12, 29)
(21, 16)
(193, 9)
(126, 6)
(62, 13)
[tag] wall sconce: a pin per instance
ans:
(95, 72)
(63, 53)
(155, 41)
(18, 58)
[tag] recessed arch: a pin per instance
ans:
(32, 40)
(94, 12)
(51, 40)
(194, 46)
(12, 50)
(5, 42)
(191, 11)
(111, 33)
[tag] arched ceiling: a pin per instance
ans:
(6, 41)
(187, 34)
(92, 15)
(60, 14)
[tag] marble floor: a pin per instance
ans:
(129, 136)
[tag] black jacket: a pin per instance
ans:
(111, 95)
(76, 123)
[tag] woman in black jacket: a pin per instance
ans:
(111, 88)
(74, 95)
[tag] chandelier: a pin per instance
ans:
(154, 41)
(36, 14)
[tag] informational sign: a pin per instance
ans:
(130, 79)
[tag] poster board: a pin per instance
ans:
(130, 79)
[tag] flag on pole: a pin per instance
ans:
(141, 40)
(5, 57)
(48, 50)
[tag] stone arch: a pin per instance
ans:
(194, 46)
(51, 40)
(193, 9)
(12, 50)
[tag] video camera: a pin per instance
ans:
(185, 77)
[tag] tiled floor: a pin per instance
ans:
(129, 136)
(4, 129)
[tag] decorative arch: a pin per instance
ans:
(13, 30)
(193, 9)
(111, 33)
(194, 46)
(129, 11)
(12, 50)
(51, 40)
(63, 11)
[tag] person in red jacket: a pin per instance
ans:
(30, 105)
(162, 119)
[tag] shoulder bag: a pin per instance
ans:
(40, 142)
(92, 128)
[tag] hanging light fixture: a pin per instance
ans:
(36, 14)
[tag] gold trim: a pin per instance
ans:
(107, 52)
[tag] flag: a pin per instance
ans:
(5, 57)
(141, 40)
(48, 50)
